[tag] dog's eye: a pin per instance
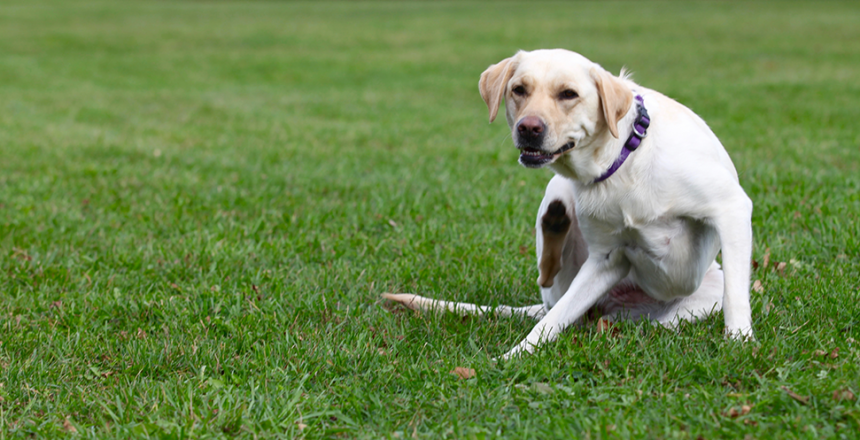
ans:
(567, 94)
(519, 90)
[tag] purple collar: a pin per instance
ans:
(641, 123)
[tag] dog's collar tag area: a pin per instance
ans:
(640, 130)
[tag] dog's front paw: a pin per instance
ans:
(523, 348)
(740, 334)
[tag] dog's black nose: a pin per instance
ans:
(531, 127)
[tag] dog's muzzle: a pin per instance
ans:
(537, 158)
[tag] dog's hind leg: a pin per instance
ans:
(707, 299)
(626, 301)
(561, 248)
(423, 304)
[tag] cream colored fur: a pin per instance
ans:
(653, 227)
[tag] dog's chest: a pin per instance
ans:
(625, 220)
(615, 211)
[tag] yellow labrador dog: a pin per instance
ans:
(643, 198)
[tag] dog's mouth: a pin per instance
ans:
(534, 158)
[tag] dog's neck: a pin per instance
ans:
(637, 135)
(595, 154)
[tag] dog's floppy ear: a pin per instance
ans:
(615, 98)
(493, 82)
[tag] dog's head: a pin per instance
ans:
(555, 101)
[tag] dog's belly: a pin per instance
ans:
(669, 257)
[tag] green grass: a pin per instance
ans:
(200, 203)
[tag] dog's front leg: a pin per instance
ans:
(597, 276)
(734, 227)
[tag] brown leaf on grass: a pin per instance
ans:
(68, 427)
(604, 325)
(757, 286)
(819, 352)
(301, 426)
(835, 353)
(463, 372)
(802, 399)
(524, 250)
(735, 412)
(845, 394)
(781, 267)
(766, 259)
(140, 333)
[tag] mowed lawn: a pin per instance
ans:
(201, 202)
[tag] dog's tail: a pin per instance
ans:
(420, 303)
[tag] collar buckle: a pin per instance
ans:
(639, 135)
(642, 122)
